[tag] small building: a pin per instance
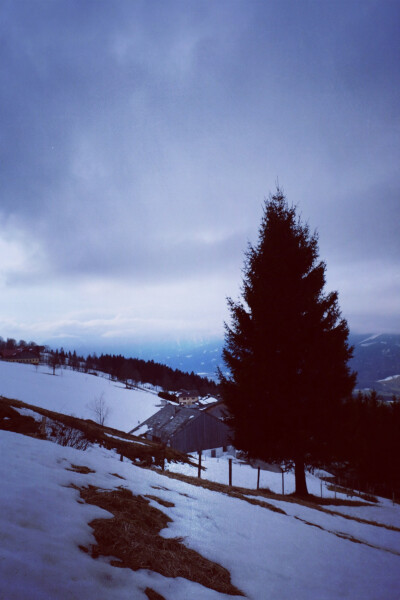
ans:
(185, 429)
(188, 398)
(26, 355)
(217, 409)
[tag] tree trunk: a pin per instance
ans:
(300, 478)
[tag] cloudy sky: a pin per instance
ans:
(139, 139)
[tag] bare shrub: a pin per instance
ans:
(68, 436)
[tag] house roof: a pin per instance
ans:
(19, 353)
(216, 409)
(167, 421)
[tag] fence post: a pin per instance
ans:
(258, 478)
(230, 471)
(43, 426)
(283, 484)
(321, 489)
(199, 468)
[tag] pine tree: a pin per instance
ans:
(286, 349)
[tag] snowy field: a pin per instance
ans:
(73, 393)
(304, 554)
(243, 475)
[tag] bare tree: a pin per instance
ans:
(99, 409)
(54, 361)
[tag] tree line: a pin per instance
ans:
(134, 371)
(368, 444)
(12, 344)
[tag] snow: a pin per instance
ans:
(208, 400)
(72, 393)
(116, 437)
(243, 475)
(142, 430)
(369, 339)
(269, 555)
(388, 378)
(304, 554)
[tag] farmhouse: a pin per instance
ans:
(185, 429)
(188, 398)
(27, 355)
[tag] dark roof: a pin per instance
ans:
(167, 421)
(216, 409)
(19, 353)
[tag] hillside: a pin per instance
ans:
(58, 543)
(75, 393)
(82, 524)
(377, 357)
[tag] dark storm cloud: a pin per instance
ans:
(138, 139)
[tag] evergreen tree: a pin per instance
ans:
(286, 349)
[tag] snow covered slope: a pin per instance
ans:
(74, 393)
(298, 554)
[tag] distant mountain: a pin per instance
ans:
(202, 358)
(377, 357)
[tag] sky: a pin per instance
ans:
(139, 140)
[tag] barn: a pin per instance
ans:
(185, 429)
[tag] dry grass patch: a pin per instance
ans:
(119, 476)
(132, 537)
(80, 469)
(142, 452)
(342, 490)
(257, 497)
(11, 420)
(233, 492)
(348, 537)
(160, 501)
(152, 595)
(318, 504)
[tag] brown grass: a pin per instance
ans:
(132, 536)
(117, 475)
(348, 536)
(234, 492)
(142, 452)
(152, 595)
(342, 490)
(314, 502)
(160, 501)
(11, 420)
(80, 469)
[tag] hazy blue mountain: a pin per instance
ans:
(376, 357)
(202, 358)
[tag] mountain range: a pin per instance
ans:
(376, 359)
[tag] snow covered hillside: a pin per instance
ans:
(298, 553)
(74, 393)
(268, 546)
